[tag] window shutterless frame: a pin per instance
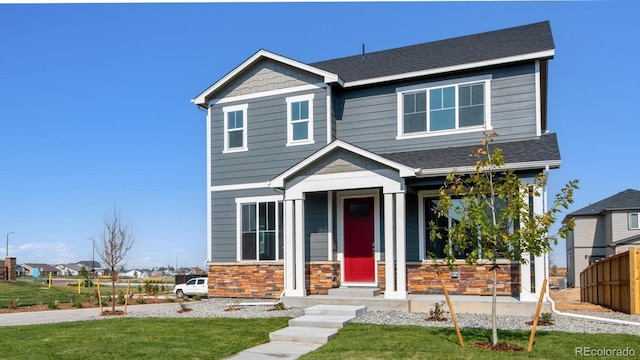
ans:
(444, 107)
(235, 128)
(259, 228)
(300, 120)
(634, 221)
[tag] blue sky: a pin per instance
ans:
(95, 111)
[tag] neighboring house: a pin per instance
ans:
(43, 269)
(69, 269)
(324, 175)
(136, 273)
(602, 229)
(89, 264)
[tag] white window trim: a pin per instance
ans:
(637, 214)
(486, 79)
(290, 100)
(245, 128)
(255, 200)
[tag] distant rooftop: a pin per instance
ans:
(627, 199)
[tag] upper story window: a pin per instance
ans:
(235, 128)
(634, 222)
(300, 120)
(444, 107)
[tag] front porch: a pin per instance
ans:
(474, 304)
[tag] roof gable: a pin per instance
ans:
(261, 55)
(627, 199)
(338, 145)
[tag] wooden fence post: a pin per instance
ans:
(634, 280)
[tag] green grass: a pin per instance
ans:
(34, 292)
(136, 338)
(361, 341)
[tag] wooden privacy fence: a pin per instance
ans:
(613, 282)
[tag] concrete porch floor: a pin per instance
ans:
(477, 304)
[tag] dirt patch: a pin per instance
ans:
(569, 300)
(498, 347)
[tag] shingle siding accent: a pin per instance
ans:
(267, 75)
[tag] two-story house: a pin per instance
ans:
(324, 175)
(607, 227)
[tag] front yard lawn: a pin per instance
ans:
(362, 341)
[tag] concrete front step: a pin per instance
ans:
(336, 310)
(300, 334)
(355, 292)
(321, 321)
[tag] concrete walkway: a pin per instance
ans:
(304, 334)
(56, 316)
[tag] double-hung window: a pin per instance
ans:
(235, 128)
(443, 107)
(300, 120)
(442, 224)
(634, 221)
(260, 229)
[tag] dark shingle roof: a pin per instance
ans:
(627, 199)
(544, 148)
(491, 45)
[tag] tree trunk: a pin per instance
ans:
(494, 325)
(113, 291)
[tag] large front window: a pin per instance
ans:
(261, 230)
(436, 245)
(432, 110)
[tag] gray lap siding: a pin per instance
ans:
(268, 155)
(368, 117)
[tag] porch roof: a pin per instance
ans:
(518, 155)
(403, 170)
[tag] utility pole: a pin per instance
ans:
(8, 244)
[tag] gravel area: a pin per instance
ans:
(218, 308)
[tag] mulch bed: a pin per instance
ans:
(111, 313)
(436, 318)
(541, 323)
(506, 347)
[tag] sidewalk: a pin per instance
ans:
(55, 316)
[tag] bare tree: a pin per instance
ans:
(117, 240)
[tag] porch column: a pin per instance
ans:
(395, 248)
(541, 269)
(525, 280)
(389, 253)
(401, 253)
(289, 250)
(300, 248)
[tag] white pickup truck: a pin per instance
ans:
(193, 287)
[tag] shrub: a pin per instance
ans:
(546, 317)
(121, 300)
(54, 305)
(279, 306)
(14, 304)
(437, 313)
(197, 298)
(170, 299)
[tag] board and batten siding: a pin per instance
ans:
(368, 117)
(268, 153)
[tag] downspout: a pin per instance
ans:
(550, 300)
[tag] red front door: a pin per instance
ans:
(359, 264)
